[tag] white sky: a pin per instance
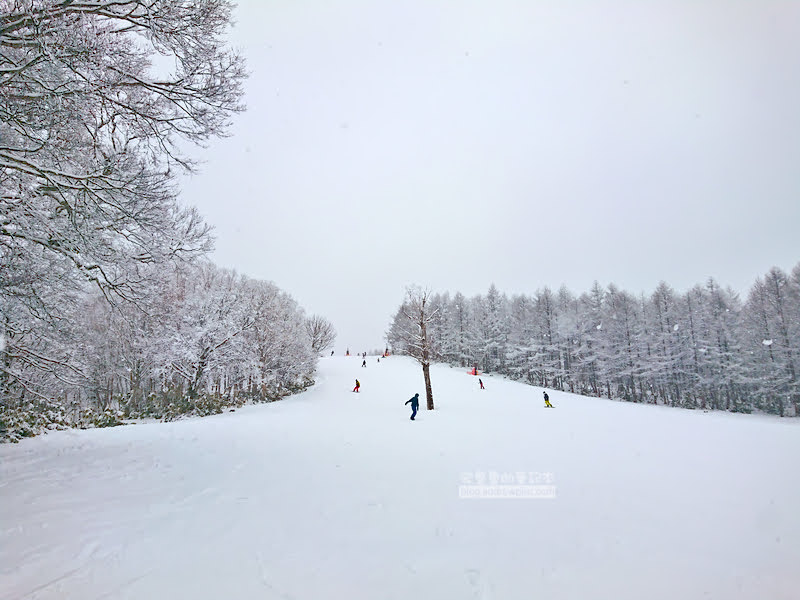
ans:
(458, 143)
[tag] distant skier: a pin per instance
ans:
(414, 405)
(547, 400)
(364, 364)
(331, 352)
(481, 382)
(358, 385)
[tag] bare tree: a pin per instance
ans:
(413, 332)
(321, 333)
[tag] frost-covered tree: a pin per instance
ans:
(546, 338)
(623, 332)
(286, 360)
(771, 315)
(96, 100)
(521, 363)
(408, 332)
(443, 342)
(321, 332)
(596, 373)
(494, 329)
(698, 349)
(207, 332)
(205, 339)
(568, 328)
(666, 366)
(458, 342)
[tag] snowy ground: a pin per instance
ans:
(333, 494)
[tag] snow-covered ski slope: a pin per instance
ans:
(332, 494)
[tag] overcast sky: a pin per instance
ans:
(456, 143)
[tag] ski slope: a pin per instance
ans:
(332, 494)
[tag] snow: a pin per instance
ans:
(333, 494)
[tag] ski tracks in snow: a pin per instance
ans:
(265, 580)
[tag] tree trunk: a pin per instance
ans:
(426, 373)
(194, 385)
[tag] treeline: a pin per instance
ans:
(204, 339)
(705, 348)
(107, 309)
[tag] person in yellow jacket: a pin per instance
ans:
(358, 385)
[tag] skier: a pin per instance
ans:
(547, 400)
(479, 381)
(364, 364)
(414, 405)
(331, 352)
(358, 385)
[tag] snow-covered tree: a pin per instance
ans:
(771, 338)
(494, 328)
(321, 332)
(698, 349)
(408, 333)
(520, 339)
(96, 100)
(286, 360)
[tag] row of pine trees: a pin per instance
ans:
(705, 348)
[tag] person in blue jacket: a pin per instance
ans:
(414, 405)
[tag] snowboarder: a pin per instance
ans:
(364, 364)
(331, 352)
(414, 405)
(358, 385)
(547, 400)
(481, 382)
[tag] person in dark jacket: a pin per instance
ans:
(479, 381)
(547, 400)
(414, 405)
